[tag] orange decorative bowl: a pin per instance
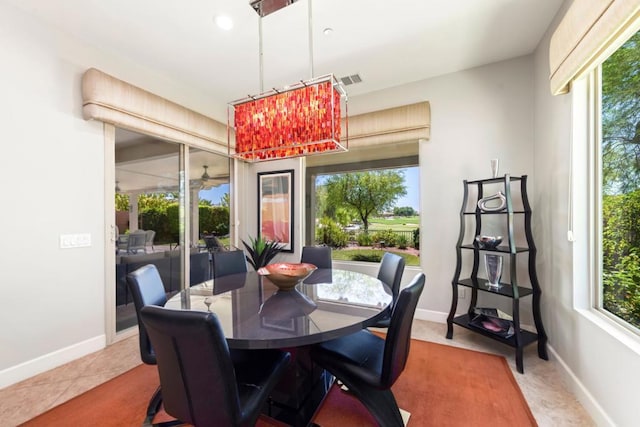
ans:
(287, 275)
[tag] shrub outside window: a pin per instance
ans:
(619, 156)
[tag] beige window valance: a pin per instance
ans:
(114, 101)
(588, 33)
(399, 124)
(402, 127)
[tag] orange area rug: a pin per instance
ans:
(441, 386)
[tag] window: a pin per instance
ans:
(362, 209)
(618, 292)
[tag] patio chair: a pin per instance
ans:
(213, 244)
(136, 241)
(121, 240)
(150, 237)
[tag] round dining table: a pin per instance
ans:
(255, 314)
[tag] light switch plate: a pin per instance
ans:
(80, 240)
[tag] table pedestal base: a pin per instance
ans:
(300, 393)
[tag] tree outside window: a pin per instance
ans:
(620, 201)
(361, 214)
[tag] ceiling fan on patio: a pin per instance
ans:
(207, 181)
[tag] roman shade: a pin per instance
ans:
(400, 128)
(400, 124)
(587, 34)
(114, 101)
(122, 104)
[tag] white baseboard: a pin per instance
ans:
(431, 316)
(572, 382)
(578, 389)
(49, 361)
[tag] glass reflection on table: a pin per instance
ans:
(254, 313)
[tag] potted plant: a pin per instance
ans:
(261, 251)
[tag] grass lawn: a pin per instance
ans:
(375, 255)
(400, 223)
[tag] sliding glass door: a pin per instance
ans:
(167, 197)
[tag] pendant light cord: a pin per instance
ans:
(260, 55)
(261, 52)
(310, 10)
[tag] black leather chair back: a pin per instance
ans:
(200, 268)
(228, 262)
(320, 256)
(203, 382)
(398, 340)
(194, 363)
(390, 272)
(146, 288)
(368, 364)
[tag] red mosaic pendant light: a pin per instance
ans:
(303, 119)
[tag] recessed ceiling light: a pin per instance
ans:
(327, 31)
(223, 22)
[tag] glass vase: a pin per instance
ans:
(493, 266)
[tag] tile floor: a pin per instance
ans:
(550, 402)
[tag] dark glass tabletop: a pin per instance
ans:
(255, 314)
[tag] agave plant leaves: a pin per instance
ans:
(261, 251)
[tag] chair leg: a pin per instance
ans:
(380, 403)
(154, 407)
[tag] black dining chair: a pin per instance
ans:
(204, 383)
(147, 288)
(369, 365)
(390, 272)
(320, 256)
(228, 262)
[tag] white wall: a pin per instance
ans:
(52, 178)
(52, 173)
(248, 203)
(57, 296)
(476, 115)
(601, 364)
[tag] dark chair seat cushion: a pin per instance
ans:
(358, 355)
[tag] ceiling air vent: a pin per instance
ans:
(350, 80)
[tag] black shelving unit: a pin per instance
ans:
(512, 290)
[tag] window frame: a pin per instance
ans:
(595, 196)
(313, 172)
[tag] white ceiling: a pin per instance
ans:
(146, 164)
(387, 43)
